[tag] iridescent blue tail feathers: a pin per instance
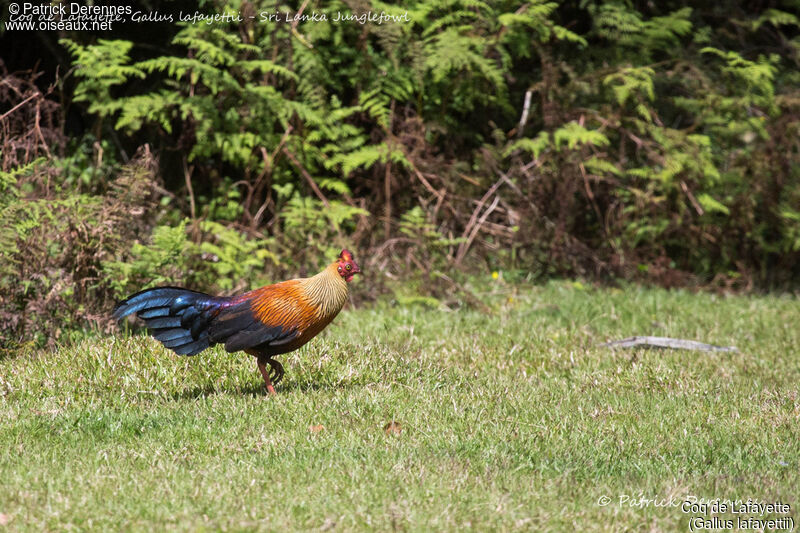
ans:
(178, 318)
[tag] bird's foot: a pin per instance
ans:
(276, 374)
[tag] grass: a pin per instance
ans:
(513, 420)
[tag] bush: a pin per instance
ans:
(53, 250)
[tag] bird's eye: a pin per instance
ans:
(348, 267)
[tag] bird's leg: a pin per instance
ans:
(262, 367)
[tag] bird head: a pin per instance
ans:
(347, 266)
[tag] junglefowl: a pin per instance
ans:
(265, 322)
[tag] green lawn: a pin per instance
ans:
(513, 420)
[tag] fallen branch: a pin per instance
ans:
(667, 342)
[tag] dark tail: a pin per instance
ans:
(178, 318)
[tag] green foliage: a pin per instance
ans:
(430, 249)
(573, 134)
(9, 190)
(665, 159)
(224, 260)
(586, 138)
(635, 85)
(231, 261)
(625, 28)
(235, 103)
(451, 51)
(533, 146)
(414, 223)
(100, 68)
(164, 261)
(319, 227)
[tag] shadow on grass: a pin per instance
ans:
(212, 390)
(258, 389)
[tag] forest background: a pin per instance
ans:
(629, 141)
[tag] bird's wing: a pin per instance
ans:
(273, 315)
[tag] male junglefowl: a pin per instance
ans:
(266, 322)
